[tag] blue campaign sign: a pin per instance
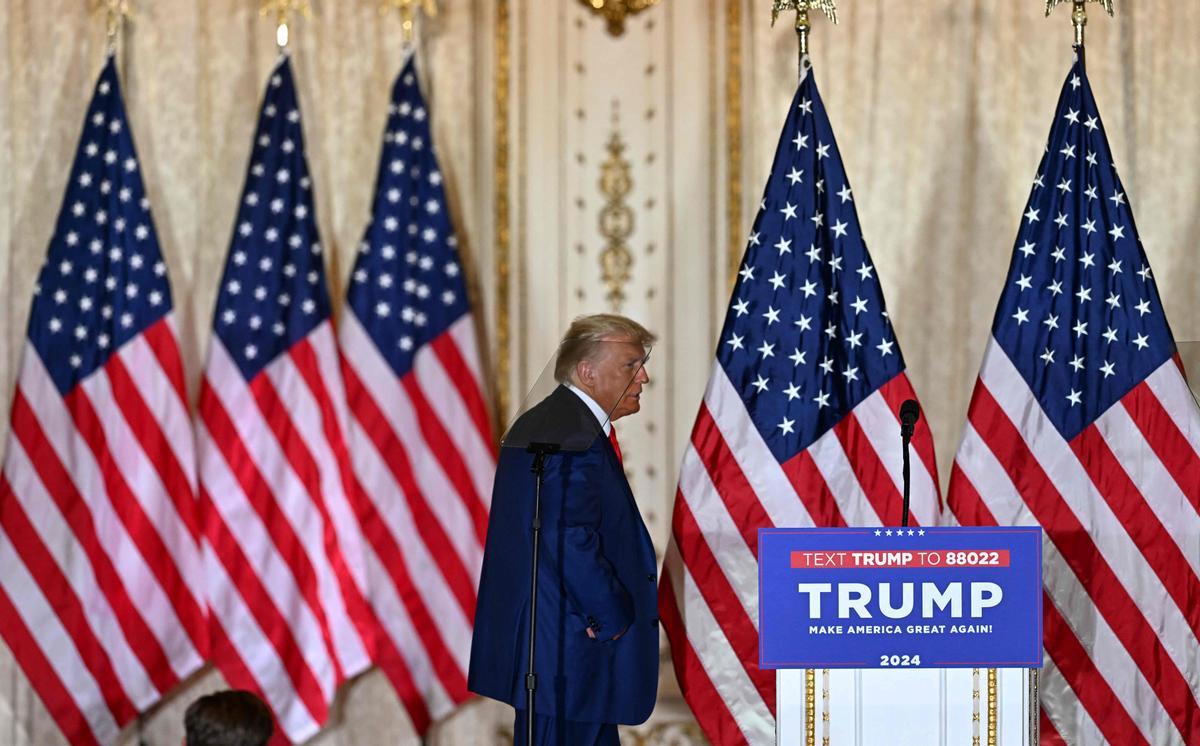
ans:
(896, 598)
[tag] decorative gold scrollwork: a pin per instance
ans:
(616, 221)
(616, 11)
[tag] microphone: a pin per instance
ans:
(910, 412)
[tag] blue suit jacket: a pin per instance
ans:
(597, 568)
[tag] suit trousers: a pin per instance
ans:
(548, 731)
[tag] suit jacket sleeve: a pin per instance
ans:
(589, 577)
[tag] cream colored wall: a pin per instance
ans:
(941, 108)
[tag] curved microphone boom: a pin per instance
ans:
(910, 412)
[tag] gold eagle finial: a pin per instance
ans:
(1052, 4)
(828, 7)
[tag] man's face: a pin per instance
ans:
(614, 375)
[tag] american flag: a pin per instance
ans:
(419, 433)
(798, 426)
(101, 598)
(283, 556)
(1081, 422)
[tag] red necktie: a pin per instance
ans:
(612, 438)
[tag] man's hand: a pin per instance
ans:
(592, 634)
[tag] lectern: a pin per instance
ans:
(921, 636)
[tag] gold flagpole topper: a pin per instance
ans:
(117, 13)
(281, 9)
(408, 14)
(828, 7)
(1079, 14)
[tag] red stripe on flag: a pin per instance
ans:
(277, 416)
(306, 364)
(248, 585)
(969, 508)
(812, 490)
(165, 346)
(447, 454)
(711, 711)
(720, 597)
(1086, 681)
(391, 556)
(1147, 532)
(393, 665)
(1047, 733)
(59, 701)
(1086, 560)
(395, 455)
(728, 480)
(60, 596)
(1166, 440)
(235, 673)
(73, 508)
(872, 476)
(465, 383)
(145, 427)
(264, 502)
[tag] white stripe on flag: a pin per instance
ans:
(831, 461)
(394, 618)
(305, 415)
(79, 461)
(256, 651)
(1107, 653)
(1169, 386)
(381, 383)
(446, 402)
(72, 561)
(1054, 691)
(771, 486)
(452, 624)
(241, 521)
(146, 486)
(720, 662)
(1155, 484)
(1091, 509)
(161, 396)
(40, 619)
(720, 532)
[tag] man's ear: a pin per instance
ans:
(585, 373)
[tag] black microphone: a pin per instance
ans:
(910, 412)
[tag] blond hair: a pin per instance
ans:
(585, 334)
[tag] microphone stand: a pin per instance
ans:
(906, 433)
(539, 451)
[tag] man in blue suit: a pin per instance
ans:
(597, 629)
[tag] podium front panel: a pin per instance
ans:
(909, 707)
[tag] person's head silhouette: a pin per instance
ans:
(227, 718)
